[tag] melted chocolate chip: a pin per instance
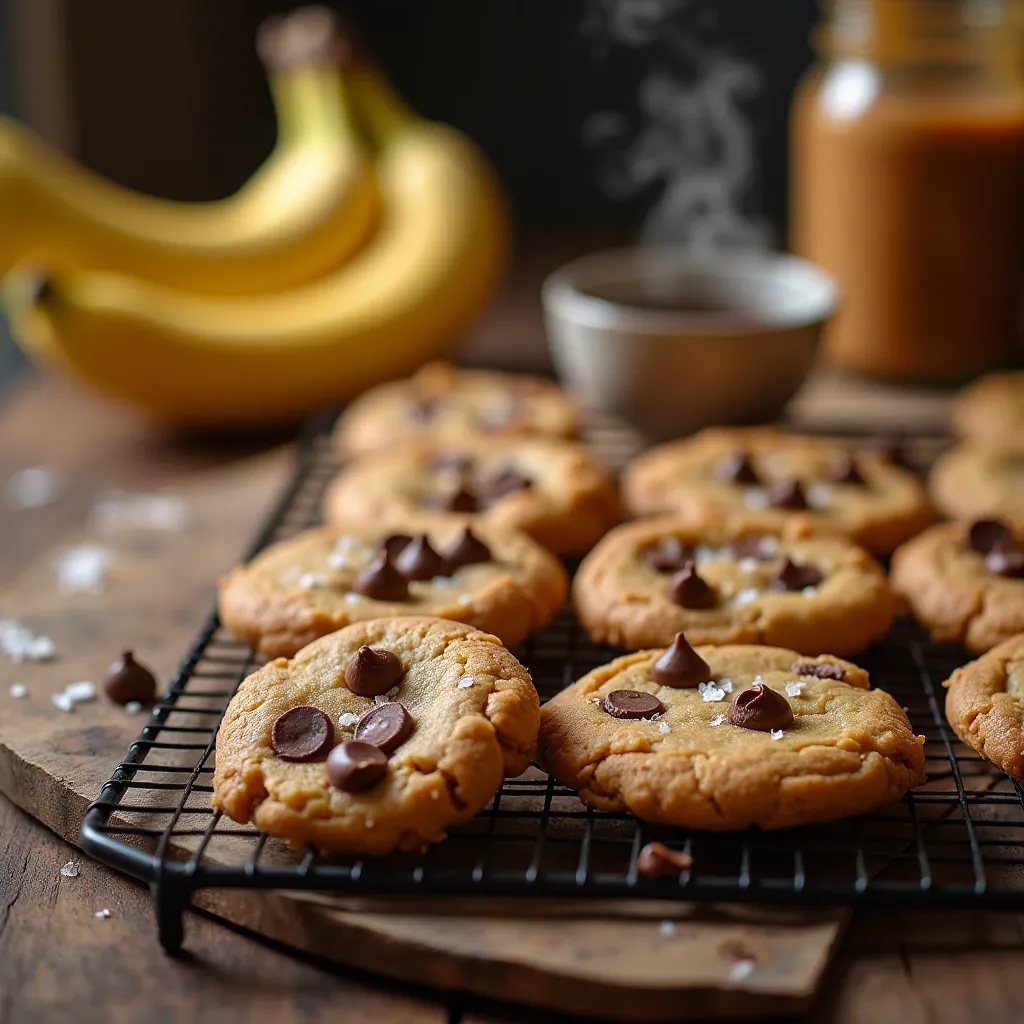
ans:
(395, 543)
(760, 708)
(680, 666)
(468, 549)
(129, 681)
(381, 581)
(372, 671)
(736, 469)
(304, 733)
(632, 704)
(508, 481)
(987, 535)
(386, 726)
(689, 590)
(419, 561)
(846, 471)
(354, 766)
(656, 860)
(1007, 562)
(790, 576)
(668, 555)
(786, 494)
(819, 670)
(462, 499)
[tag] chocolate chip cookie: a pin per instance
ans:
(748, 579)
(863, 495)
(965, 581)
(985, 705)
(991, 410)
(552, 490)
(724, 738)
(323, 579)
(971, 480)
(446, 403)
(378, 737)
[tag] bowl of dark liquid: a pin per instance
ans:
(675, 340)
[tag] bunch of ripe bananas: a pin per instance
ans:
(363, 246)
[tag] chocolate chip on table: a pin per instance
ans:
(689, 590)
(468, 549)
(632, 704)
(668, 555)
(386, 726)
(1007, 562)
(354, 766)
(790, 576)
(381, 581)
(395, 543)
(786, 494)
(736, 469)
(656, 860)
(985, 535)
(461, 499)
(372, 671)
(819, 670)
(419, 561)
(846, 471)
(508, 481)
(760, 708)
(128, 681)
(680, 666)
(304, 733)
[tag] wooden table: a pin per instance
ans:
(58, 962)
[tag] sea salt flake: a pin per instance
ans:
(667, 928)
(133, 707)
(758, 681)
(120, 510)
(83, 569)
(381, 698)
(19, 690)
(20, 644)
(776, 734)
(711, 692)
(445, 581)
(312, 580)
(354, 598)
(755, 499)
(33, 487)
(464, 599)
(742, 969)
(717, 721)
(347, 720)
(749, 564)
(725, 684)
(69, 870)
(369, 823)
(768, 546)
(706, 553)
(818, 495)
(72, 694)
(747, 596)
(466, 682)
(794, 689)
(102, 914)
(809, 591)
(664, 727)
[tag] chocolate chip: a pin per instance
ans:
(737, 469)
(987, 535)
(786, 494)
(386, 726)
(462, 499)
(354, 766)
(1007, 562)
(381, 581)
(668, 555)
(468, 549)
(846, 472)
(656, 860)
(689, 590)
(819, 670)
(419, 561)
(760, 708)
(372, 671)
(304, 733)
(395, 543)
(632, 704)
(752, 546)
(129, 681)
(508, 481)
(790, 576)
(680, 666)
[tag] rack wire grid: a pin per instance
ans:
(956, 841)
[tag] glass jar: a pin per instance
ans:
(907, 183)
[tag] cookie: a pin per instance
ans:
(721, 471)
(446, 404)
(970, 481)
(747, 580)
(299, 589)
(552, 490)
(730, 737)
(991, 410)
(378, 737)
(985, 705)
(964, 582)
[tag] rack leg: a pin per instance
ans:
(170, 901)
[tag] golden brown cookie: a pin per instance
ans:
(970, 481)
(985, 705)
(746, 580)
(446, 711)
(991, 410)
(323, 579)
(446, 403)
(724, 471)
(964, 582)
(766, 738)
(552, 490)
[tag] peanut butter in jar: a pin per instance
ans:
(908, 184)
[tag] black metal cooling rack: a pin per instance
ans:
(957, 841)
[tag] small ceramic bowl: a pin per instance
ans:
(674, 341)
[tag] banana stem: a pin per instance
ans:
(384, 113)
(312, 101)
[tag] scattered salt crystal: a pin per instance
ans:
(133, 707)
(465, 599)
(444, 581)
(707, 553)
(69, 870)
(747, 596)
(768, 546)
(712, 692)
(758, 681)
(466, 682)
(742, 969)
(717, 721)
(347, 720)
(102, 914)
(20, 644)
(725, 684)
(337, 562)
(596, 700)
(312, 580)
(667, 928)
(749, 564)
(33, 487)
(776, 734)
(818, 495)
(756, 499)
(119, 510)
(392, 693)
(664, 727)
(794, 689)
(353, 598)
(380, 698)
(63, 703)
(369, 823)
(809, 591)
(18, 690)
(83, 570)
(72, 694)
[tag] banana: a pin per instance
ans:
(309, 207)
(433, 263)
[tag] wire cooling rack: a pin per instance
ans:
(957, 841)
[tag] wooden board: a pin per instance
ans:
(608, 959)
